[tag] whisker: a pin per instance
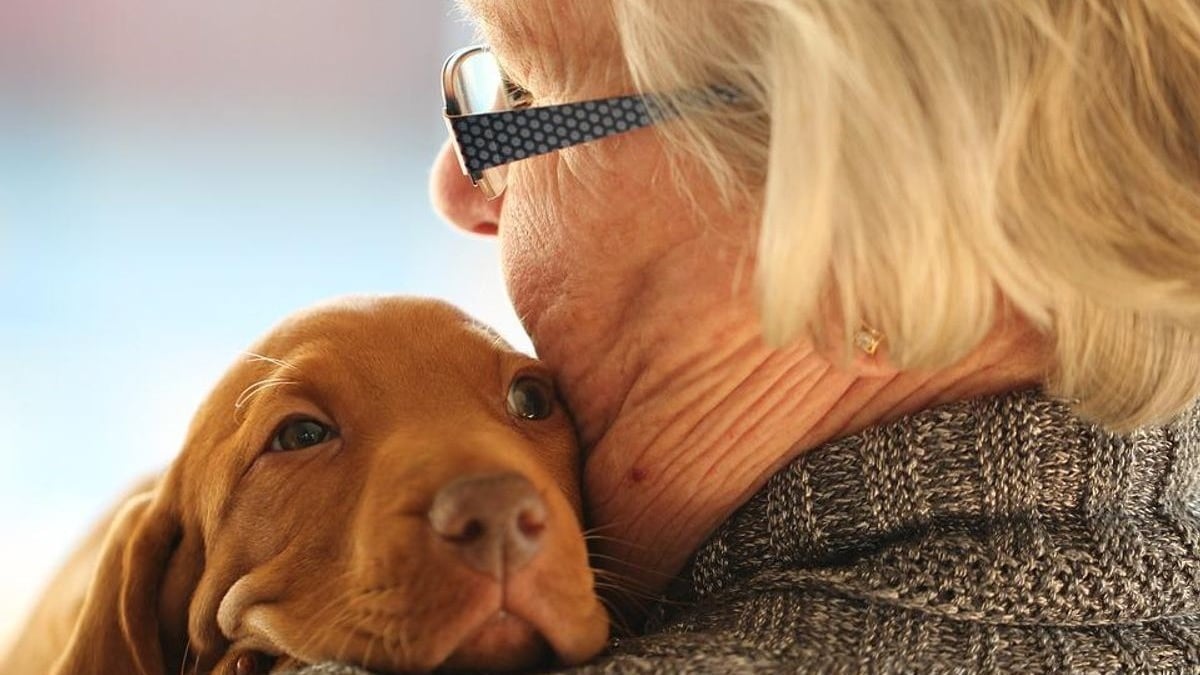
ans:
(626, 586)
(632, 591)
(257, 388)
(616, 616)
(195, 658)
(601, 537)
(370, 647)
(319, 615)
(613, 586)
(613, 575)
(632, 566)
(616, 540)
(187, 646)
(352, 615)
(624, 582)
(389, 642)
(598, 528)
(627, 594)
(252, 356)
(404, 645)
(340, 655)
(631, 587)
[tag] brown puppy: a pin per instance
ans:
(384, 483)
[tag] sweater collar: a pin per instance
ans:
(1007, 508)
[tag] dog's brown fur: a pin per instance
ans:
(327, 553)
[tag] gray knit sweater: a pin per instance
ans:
(1001, 534)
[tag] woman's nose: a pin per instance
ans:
(457, 200)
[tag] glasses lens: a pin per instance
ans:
(479, 83)
(479, 87)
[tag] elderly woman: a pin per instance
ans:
(881, 322)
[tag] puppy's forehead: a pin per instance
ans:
(384, 336)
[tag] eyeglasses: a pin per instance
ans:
(492, 125)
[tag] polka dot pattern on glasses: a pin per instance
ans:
(494, 139)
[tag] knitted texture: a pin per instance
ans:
(1000, 534)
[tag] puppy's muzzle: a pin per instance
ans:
(495, 522)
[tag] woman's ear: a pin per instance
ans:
(118, 630)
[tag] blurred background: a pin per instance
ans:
(174, 178)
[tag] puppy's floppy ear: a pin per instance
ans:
(118, 630)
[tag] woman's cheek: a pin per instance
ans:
(534, 255)
(578, 225)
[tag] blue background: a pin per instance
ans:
(174, 179)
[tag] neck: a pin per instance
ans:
(698, 431)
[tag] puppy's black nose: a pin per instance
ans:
(495, 521)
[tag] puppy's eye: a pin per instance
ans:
(530, 398)
(300, 433)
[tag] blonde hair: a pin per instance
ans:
(917, 160)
